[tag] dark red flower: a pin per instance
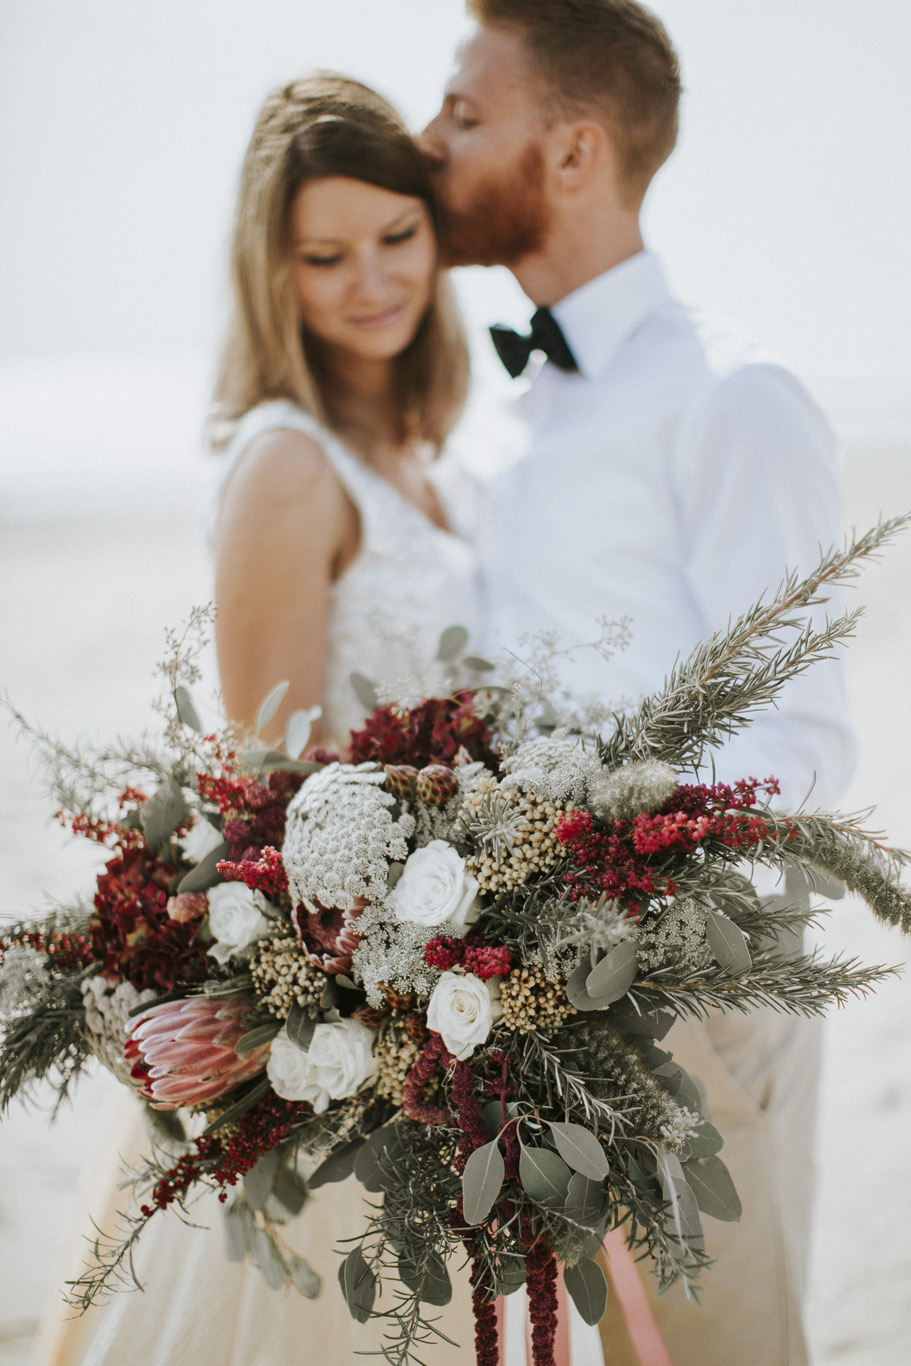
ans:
(132, 934)
(432, 732)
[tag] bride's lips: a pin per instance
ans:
(381, 319)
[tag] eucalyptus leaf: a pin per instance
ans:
(290, 1190)
(481, 666)
(205, 874)
(652, 1024)
(268, 1260)
(255, 1038)
(710, 1182)
(240, 1107)
(358, 1285)
(162, 813)
(338, 1166)
(452, 642)
(614, 975)
(187, 714)
(581, 1150)
(513, 1274)
(584, 1199)
(367, 1166)
(704, 1143)
(728, 944)
(587, 1289)
(544, 1175)
(297, 732)
(576, 989)
(426, 1276)
(482, 1181)
(259, 760)
(239, 1227)
(271, 704)
(492, 1115)
(260, 1179)
(365, 692)
(300, 1027)
(304, 1277)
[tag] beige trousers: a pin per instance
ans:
(760, 1071)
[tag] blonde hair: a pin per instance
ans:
(326, 125)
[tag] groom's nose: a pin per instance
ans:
(432, 143)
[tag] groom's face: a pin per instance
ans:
(487, 143)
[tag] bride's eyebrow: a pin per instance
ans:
(399, 221)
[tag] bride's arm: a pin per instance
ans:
(285, 526)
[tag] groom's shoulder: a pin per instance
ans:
(716, 361)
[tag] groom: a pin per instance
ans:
(672, 473)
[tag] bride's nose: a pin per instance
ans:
(371, 277)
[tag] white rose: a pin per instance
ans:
(234, 919)
(434, 887)
(339, 1059)
(200, 840)
(462, 1009)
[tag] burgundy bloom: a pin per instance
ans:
(183, 1051)
(327, 934)
(133, 935)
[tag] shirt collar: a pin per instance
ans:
(600, 316)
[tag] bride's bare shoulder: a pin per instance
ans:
(282, 465)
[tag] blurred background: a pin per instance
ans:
(122, 127)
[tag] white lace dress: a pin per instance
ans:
(407, 583)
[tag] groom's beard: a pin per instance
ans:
(505, 218)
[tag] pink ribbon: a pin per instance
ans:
(643, 1331)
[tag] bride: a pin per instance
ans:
(344, 369)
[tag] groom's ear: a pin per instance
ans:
(582, 152)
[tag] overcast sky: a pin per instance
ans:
(122, 125)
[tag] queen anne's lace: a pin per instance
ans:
(341, 836)
(553, 767)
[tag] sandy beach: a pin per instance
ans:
(83, 607)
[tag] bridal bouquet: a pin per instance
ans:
(442, 962)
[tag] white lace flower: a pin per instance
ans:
(339, 1060)
(463, 1010)
(553, 767)
(434, 887)
(341, 836)
(235, 919)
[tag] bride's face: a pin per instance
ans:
(364, 261)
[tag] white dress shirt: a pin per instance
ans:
(672, 480)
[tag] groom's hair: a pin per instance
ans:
(610, 58)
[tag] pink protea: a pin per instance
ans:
(183, 1051)
(327, 934)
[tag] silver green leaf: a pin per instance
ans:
(260, 1179)
(268, 1260)
(187, 714)
(358, 1284)
(452, 642)
(710, 1181)
(365, 692)
(297, 731)
(482, 1181)
(581, 1150)
(338, 1166)
(271, 704)
(205, 874)
(587, 1289)
(162, 813)
(427, 1277)
(704, 1143)
(728, 944)
(576, 990)
(481, 666)
(255, 1038)
(290, 1190)
(301, 1027)
(304, 1277)
(544, 1175)
(614, 975)
(239, 1228)
(584, 1199)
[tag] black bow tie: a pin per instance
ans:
(514, 349)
